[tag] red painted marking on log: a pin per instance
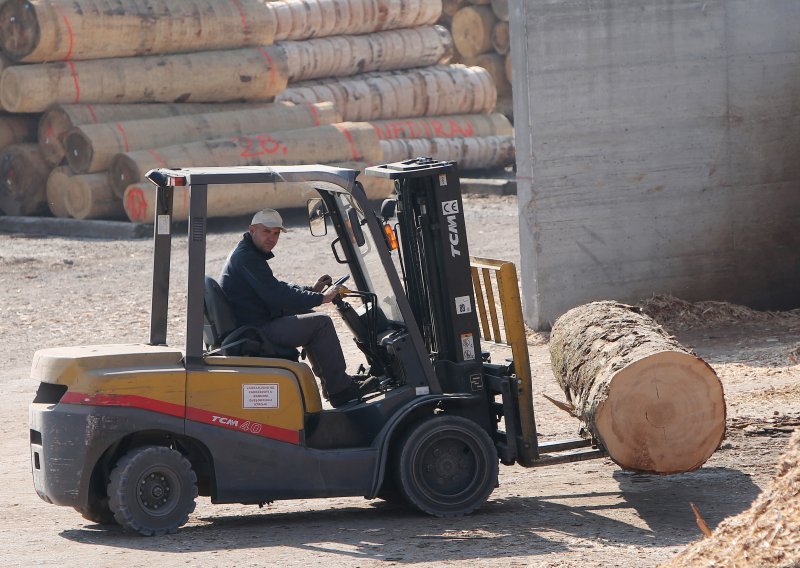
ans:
(158, 158)
(75, 80)
(312, 107)
(350, 140)
(94, 115)
(245, 27)
(271, 66)
(124, 135)
(69, 32)
(136, 204)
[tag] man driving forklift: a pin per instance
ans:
(284, 312)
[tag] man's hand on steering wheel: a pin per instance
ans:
(324, 281)
(334, 290)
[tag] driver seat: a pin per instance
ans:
(222, 336)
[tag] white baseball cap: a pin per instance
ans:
(269, 218)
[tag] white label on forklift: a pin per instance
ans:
(422, 391)
(467, 346)
(260, 396)
(163, 224)
(450, 207)
(463, 305)
(442, 180)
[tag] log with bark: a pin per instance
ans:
(439, 89)
(17, 129)
(23, 180)
(445, 126)
(304, 19)
(654, 405)
(471, 153)
(472, 30)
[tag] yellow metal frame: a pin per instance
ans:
(510, 320)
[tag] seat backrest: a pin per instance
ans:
(219, 319)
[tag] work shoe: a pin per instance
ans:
(349, 394)
(367, 385)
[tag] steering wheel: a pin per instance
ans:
(341, 280)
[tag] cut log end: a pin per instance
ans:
(662, 414)
(78, 151)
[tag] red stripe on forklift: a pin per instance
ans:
(126, 400)
(243, 425)
(350, 140)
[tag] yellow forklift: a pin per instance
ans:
(133, 433)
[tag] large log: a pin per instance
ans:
(89, 196)
(472, 30)
(495, 65)
(57, 187)
(23, 180)
(90, 147)
(501, 41)
(250, 74)
(342, 56)
(500, 9)
(304, 19)
(655, 406)
(232, 200)
(322, 144)
(440, 89)
(16, 129)
(446, 126)
(471, 153)
(59, 119)
(53, 30)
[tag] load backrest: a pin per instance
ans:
(219, 319)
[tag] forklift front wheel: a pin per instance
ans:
(447, 466)
(152, 490)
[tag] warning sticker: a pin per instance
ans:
(260, 396)
(442, 180)
(463, 305)
(162, 225)
(467, 346)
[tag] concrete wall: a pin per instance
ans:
(658, 151)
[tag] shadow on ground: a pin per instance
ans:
(503, 528)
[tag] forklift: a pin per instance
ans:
(133, 433)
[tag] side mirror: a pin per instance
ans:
(388, 208)
(355, 227)
(317, 220)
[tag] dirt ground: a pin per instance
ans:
(58, 291)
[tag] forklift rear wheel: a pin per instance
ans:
(447, 466)
(152, 490)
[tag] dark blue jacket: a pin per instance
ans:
(254, 293)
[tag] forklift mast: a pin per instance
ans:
(436, 267)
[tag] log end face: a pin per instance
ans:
(663, 414)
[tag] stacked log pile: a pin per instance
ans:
(94, 93)
(481, 38)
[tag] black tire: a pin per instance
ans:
(152, 490)
(447, 466)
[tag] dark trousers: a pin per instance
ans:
(314, 332)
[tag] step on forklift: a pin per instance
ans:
(132, 434)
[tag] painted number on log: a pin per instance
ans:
(260, 145)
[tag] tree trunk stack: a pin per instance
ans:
(654, 405)
(481, 38)
(96, 92)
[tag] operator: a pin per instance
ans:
(283, 311)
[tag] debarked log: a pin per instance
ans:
(325, 144)
(249, 74)
(90, 147)
(53, 30)
(232, 200)
(654, 405)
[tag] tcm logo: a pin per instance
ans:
(225, 421)
(450, 210)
